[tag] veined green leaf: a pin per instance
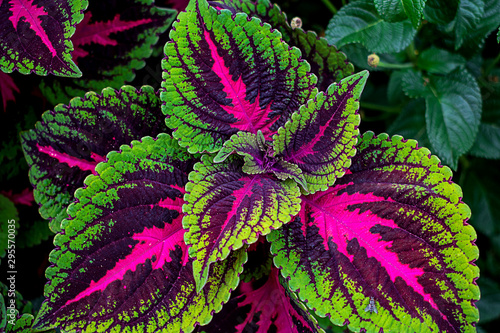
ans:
(453, 112)
(469, 14)
(439, 61)
(474, 39)
(359, 22)
(398, 10)
(391, 10)
(414, 84)
(440, 11)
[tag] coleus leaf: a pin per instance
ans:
(7, 89)
(120, 263)
(8, 212)
(391, 235)
(329, 64)
(226, 208)
(262, 308)
(359, 22)
(111, 43)
(226, 73)
(68, 143)
(35, 36)
(321, 136)
(258, 157)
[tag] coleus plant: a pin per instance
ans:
(258, 177)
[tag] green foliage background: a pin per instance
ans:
(437, 81)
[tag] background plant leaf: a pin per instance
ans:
(329, 64)
(111, 44)
(35, 37)
(321, 136)
(123, 250)
(469, 14)
(263, 306)
(7, 89)
(453, 113)
(439, 61)
(68, 143)
(440, 11)
(391, 11)
(226, 208)
(215, 85)
(359, 22)
(393, 229)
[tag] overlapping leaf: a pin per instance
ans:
(111, 43)
(329, 64)
(320, 138)
(469, 13)
(68, 143)
(388, 246)
(398, 10)
(121, 264)
(225, 73)
(35, 36)
(270, 307)
(359, 22)
(227, 208)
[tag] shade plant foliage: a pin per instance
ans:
(241, 194)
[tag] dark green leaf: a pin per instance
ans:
(359, 22)
(395, 92)
(440, 11)
(439, 61)
(487, 143)
(474, 39)
(391, 11)
(481, 194)
(489, 304)
(414, 84)
(411, 123)
(469, 14)
(453, 114)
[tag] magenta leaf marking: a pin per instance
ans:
(72, 161)
(156, 243)
(31, 13)
(251, 117)
(352, 225)
(99, 32)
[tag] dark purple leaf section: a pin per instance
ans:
(263, 306)
(35, 36)
(226, 209)
(225, 73)
(67, 144)
(329, 64)
(391, 236)
(113, 41)
(120, 261)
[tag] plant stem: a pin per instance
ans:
(395, 66)
(330, 6)
(410, 51)
(378, 107)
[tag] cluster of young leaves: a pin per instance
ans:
(264, 178)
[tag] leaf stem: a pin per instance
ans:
(395, 66)
(330, 6)
(410, 51)
(378, 107)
